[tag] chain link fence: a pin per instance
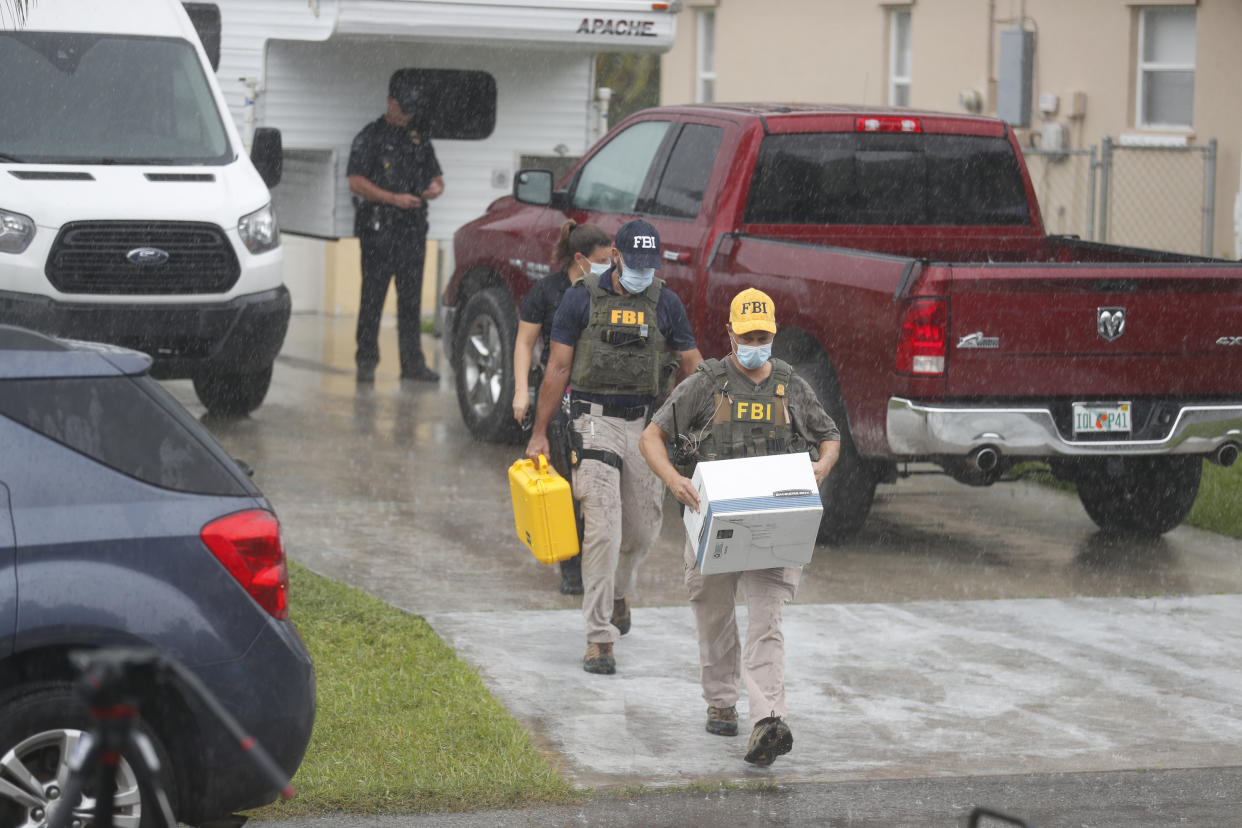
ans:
(1139, 196)
(1065, 184)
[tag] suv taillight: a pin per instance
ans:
(248, 545)
(922, 336)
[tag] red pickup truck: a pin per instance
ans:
(916, 289)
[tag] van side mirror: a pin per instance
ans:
(533, 187)
(267, 154)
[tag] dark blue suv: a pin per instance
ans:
(124, 523)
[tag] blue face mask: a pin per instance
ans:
(753, 356)
(600, 269)
(636, 280)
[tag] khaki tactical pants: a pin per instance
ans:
(621, 513)
(712, 597)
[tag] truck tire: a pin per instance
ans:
(1145, 496)
(850, 488)
(228, 394)
(483, 352)
(39, 725)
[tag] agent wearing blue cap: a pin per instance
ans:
(616, 341)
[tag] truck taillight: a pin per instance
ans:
(248, 545)
(921, 340)
(887, 123)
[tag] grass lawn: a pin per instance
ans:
(1219, 505)
(403, 725)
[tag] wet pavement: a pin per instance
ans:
(969, 635)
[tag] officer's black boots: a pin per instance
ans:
(571, 576)
(621, 615)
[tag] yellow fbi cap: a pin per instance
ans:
(752, 310)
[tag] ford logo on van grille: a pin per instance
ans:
(147, 256)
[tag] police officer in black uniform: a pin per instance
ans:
(393, 173)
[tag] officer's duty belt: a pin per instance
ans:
(624, 412)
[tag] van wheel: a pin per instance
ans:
(39, 731)
(1139, 495)
(850, 488)
(228, 394)
(483, 349)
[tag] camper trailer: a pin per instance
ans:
(319, 70)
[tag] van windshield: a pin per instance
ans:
(106, 99)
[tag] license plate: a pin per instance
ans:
(1096, 418)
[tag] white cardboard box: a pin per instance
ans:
(754, 513)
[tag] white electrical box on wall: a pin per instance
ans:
(1049, 103)
(1053, 136)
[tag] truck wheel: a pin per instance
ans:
(483, 349)
(228, 394)
(39, 730)
(1140, 495)
(850, 488)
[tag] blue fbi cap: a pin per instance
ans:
(639, 244)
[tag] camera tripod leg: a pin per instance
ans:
(91, 753)
(85, 755)
(146, 764)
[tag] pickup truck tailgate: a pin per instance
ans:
(1095, 332)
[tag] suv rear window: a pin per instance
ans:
(115, 421)
(884, 178)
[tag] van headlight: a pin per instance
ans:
(259, 231)
(16, 232)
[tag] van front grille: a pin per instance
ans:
(183, 257)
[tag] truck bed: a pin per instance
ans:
(1033, 320)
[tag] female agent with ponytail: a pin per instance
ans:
(580, 249)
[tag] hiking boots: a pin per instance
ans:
(621, 614)
(770, 738)
(598, 659)
(722, 721)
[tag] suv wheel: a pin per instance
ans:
(39, 733)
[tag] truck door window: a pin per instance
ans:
(612, 179)
(680, 194)
(865, 178)
(75, 98)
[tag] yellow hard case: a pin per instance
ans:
(543, 511)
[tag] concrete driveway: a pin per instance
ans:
(964, 635)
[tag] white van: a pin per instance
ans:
(129, 211)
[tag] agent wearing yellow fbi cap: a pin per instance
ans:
(746, 405)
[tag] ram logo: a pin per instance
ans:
(147, 256)
(1110, 322)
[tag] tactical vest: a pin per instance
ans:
(749, 423)
(621, 350)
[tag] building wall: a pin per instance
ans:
(836, 51)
